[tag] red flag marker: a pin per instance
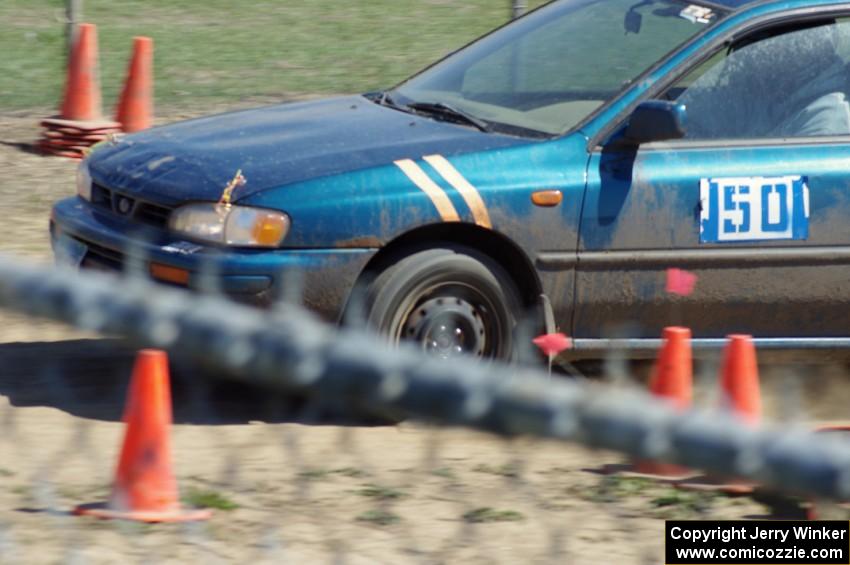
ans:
(680, 281)
(552, 344)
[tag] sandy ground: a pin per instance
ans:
(305, 486)
(305, 492)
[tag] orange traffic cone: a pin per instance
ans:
(672, 380)
(145, 488)
(135, 107)
(739, 381)
(80, 123)
(740, 378)
(82, 88)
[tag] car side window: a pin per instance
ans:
(783, 83)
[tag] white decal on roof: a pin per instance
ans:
(697, 14)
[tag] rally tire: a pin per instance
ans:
(450, 300)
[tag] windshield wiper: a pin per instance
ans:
(438, 109)
(384, 99)
(442, 109)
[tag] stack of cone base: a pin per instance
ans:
(739, 382)
(145, 489)
(73, 139)
(672, 380)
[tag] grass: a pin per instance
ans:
(351, 472)
(444, 472)
(613, 488)
(511, 470)
(219, 51)
(325, 474)
(314, 474)
(661, 500)
(209, 499)
(379, 492)
(483, 515)
(682, 504)
(379, 517)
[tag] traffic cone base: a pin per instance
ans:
(49, 149)
(672, 381)
(71, 126)
(61, 143)
(72, 139)
(83, 138)
(104, 512)
(739, 381)
(660, 470)
(145, 488)
(826, 510)
(710, 484)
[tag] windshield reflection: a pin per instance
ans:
(544, 73)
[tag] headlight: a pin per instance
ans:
(84, 181)
(231, 225)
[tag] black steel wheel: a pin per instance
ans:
(451, 301)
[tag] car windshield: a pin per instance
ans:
(546, 72)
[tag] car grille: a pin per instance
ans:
(129, 207)
(102, 258)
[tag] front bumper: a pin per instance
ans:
(248, 275)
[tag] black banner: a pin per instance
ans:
(757, 542)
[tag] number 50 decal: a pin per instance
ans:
(754, 209)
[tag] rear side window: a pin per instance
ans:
(784, 83)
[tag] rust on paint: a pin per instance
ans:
(368, 241)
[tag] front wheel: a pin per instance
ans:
(451, 301)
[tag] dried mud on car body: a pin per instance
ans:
(306, 492)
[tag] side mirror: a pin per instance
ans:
(655, 120)
(632, 22)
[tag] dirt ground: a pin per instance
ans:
(291, 482)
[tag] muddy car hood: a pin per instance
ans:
(275, 146)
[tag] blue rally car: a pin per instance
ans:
(558, 165)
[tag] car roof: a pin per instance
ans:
(732, 3)
(735, 4)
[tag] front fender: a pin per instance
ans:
(362, 209)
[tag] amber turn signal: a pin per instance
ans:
(269, 229)
(169, 274)
(547, 198)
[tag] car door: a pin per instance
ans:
(754, 200)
